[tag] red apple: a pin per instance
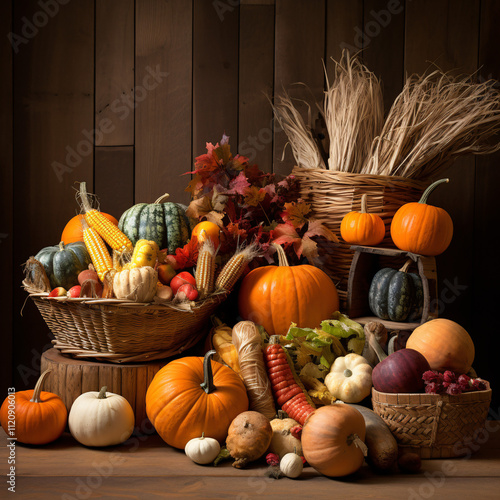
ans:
(181, 279)
(188, 290)
(165, 273)
(74, 291)
(58, 292)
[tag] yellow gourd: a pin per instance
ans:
(145, 254)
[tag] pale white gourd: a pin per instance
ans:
(101, 419)
(202, 450)
(138, 284)
(291, 465)
(350, 378)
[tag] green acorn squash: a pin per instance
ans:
(164, 223)
(396, 295)
(63, 263)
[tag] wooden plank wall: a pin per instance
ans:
(124, 94)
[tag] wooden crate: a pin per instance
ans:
(366, 262)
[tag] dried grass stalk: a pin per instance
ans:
(435, 119)
(354, 114)
(300, 137)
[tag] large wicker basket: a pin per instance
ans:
(123, 331)
(432, 425)
(333, 194)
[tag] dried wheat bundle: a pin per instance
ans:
(300, 138)
(353, 112)
(435, 119)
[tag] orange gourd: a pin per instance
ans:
(211, 230)
(191, 396)
(275, 296)
(39, 417)
(445, 344)
(73, 231)
(421, 228)
(332, 440)
(362, 228)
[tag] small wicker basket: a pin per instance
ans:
(333, 194)
(122, 331)
(433, 425)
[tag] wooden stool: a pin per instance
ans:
(72, 377)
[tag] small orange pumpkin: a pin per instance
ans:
(211, 230)
(420, 228)
(73, 231)
(332, 440)
(362, 228)
(445, 344)
(191, 396)
(39, 417)
(275, 296)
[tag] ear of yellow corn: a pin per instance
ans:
(233, 269)
(115, 238)
(205, 269)
(98, 252)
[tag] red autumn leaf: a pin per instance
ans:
(199, 207)
(316, 228)
(235, 231)
(187, 255)
(239, 184)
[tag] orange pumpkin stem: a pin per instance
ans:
(282, 261)
(208, 383)
(38, 387)
(406, 265)
(430, 189)
(161, 198)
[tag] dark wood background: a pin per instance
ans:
(68, 114)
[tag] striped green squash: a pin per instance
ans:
(166, 223)
(396, 295)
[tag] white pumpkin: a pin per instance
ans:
(291, 465)
(202, 450)
(350, 378)
(101, 419)
(138, 284)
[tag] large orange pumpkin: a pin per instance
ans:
(362, 228)
(39, 417)
(73, 231)
(420, 228)
(275, 296)
(191, 396)
(332, 440)
(445, 344)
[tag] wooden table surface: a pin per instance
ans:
(146, 468)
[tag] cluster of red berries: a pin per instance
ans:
(451, 383)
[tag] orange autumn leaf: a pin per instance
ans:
(296, 212)
(254, 196)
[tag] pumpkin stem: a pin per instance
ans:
(102, 393)
(364, 209)
(161, 198)
(355, 439)
(282, 262)
(38, 387)
(202, 435)
(61, 246)
(347, 373)
(381, 355)
(430, 189)
(208, 383)
(406, 265)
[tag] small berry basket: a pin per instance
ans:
(435, 425)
